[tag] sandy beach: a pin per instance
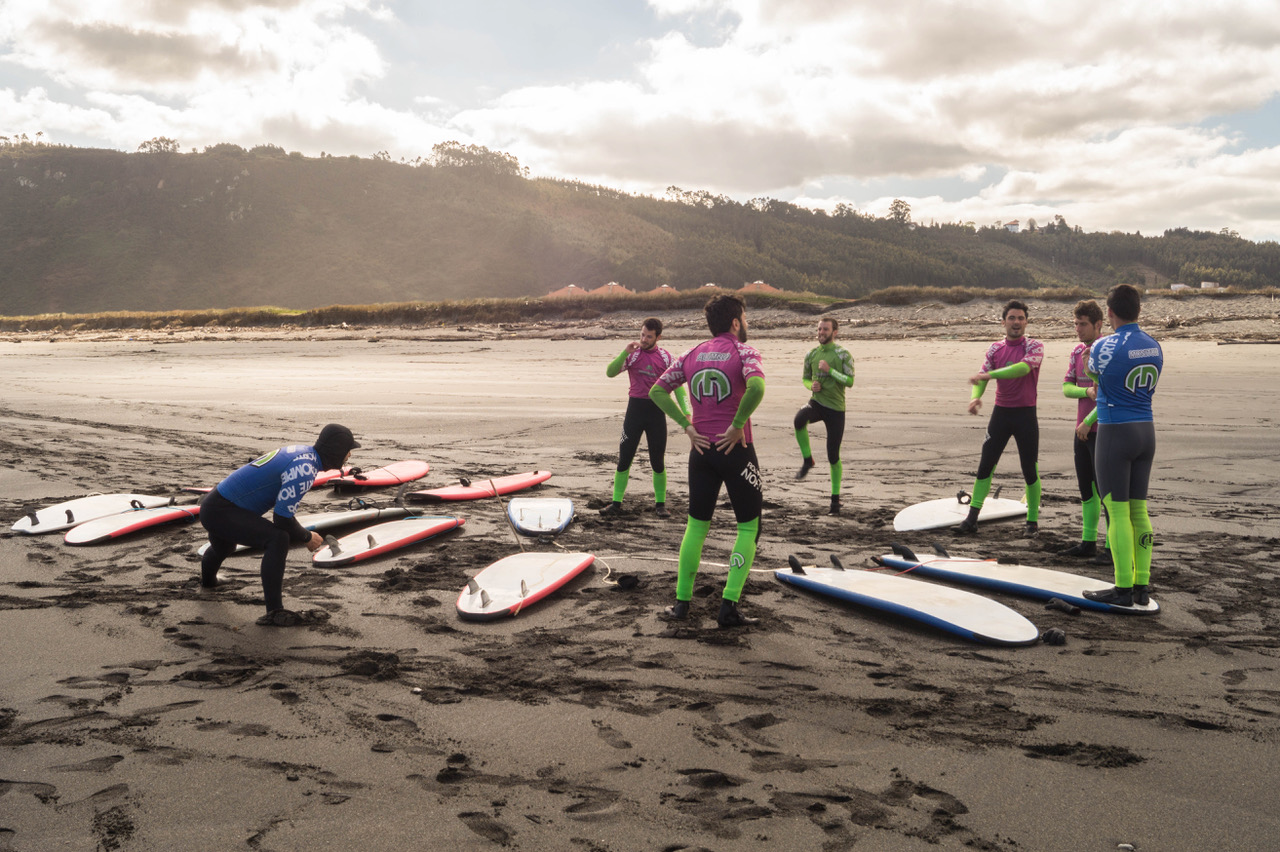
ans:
(137, 713)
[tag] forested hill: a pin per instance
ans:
(85, 230)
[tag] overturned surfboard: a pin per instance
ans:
(509, 585)
(322, 521)
(1025, 580)
(383, 538)
(64, 516)
(396, 473)
(481, 488)
(111, 527)
(950, 511)
(535, 516)
(954, 611)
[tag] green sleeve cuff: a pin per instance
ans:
(1090, 418)
(615, 366)
(750, 401)
(977, 391)
(1013, 371)
(1071, 390)
(664, 400)
(808, 384)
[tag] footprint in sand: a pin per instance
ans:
(487, 827)
(610, 736)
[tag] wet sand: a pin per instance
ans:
(139, 714)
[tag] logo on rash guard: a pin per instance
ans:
(1142, 376)
(710, 384)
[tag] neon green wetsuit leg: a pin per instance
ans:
(660, 486)
(620, 478)
(1033, 499)
(981, 488)
(744, 553)
(1120, 539)
(695, 536)
(1143, 541)
(1091, 511)
(802, 438)
(837, 474)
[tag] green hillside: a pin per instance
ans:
(85, 230)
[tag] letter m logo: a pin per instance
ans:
(709, 384)
(1143, 376)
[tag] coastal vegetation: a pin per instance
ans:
(89, 232)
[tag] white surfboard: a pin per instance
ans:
(1026, 580)
(955, 611)
(114, 526)
(509, 585)
(383, 538)
(64, 516)
(949, 512)
(321, 521)
(536, 516)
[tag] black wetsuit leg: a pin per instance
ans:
(815, 412)
(229, 525)
(1021, 425)
(1124, 458)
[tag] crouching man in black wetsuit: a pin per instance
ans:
(233, 513)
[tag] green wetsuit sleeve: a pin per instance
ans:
(1013, 371)
(1090, 418)
(1071, 390)
(808, 384)
(663, 399)
(840, 377)
(750, 401)
(615, 366)
(976, 392)
(682, 400)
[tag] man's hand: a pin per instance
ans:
(731, 438)
(697, 440)
(632, 346)
(975, 405)
(316, 542)
(979, 378)
(1083, 430)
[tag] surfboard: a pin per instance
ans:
(321, 521)
(114, 526)
(393, 474)
(64, 516)
(382, 538)
(954, 611)
(479, 489)
(1025, 580)
(511, 584)
(536, 516)
(950, 511)
(324, 477)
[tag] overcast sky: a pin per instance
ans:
(1117, 115)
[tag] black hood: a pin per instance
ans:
(332, 446)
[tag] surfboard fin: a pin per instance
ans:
(334, 547)
(398, 500)
(940, 550)
(796, 567)
(372, 543)
(485, 600)
(35, 520)
(835, 560)
(466, 483)
(135, 504)
(472, 586)
(904, 551)
(71, 518)
(524, 589)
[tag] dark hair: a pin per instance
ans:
(1089, 309)
(1015, 305)
(1125, 301)
(722, 310)
(653, 324)
(835, 323)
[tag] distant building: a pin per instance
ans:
(759, 287)
(664, 288)
(1179, 286)
(1013, 226)
(1209, 285)
(613, 288)
(566, 292)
